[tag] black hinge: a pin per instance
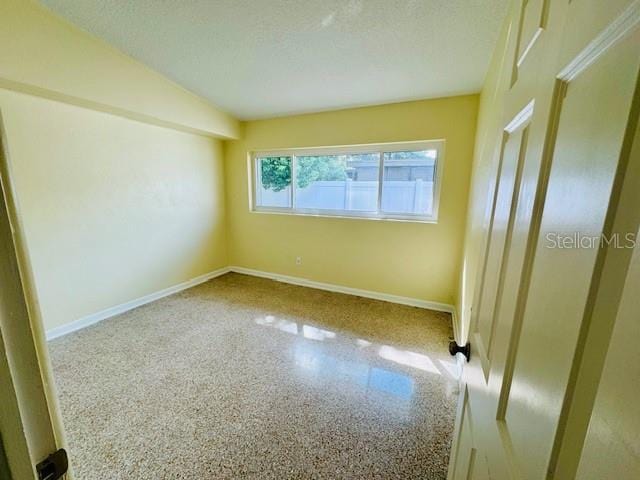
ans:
(54, 466)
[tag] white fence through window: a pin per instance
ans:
(403, 197)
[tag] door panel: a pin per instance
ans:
(593, 119)
(531, 27)
(465, 449)
(500, 234)
(555, 186)
(471, 464)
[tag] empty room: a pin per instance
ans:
(319, 239)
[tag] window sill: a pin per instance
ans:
(374, 217)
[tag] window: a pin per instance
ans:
(388, 181)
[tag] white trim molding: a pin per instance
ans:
(626, 23)
(330, 287)
(125, 307)
(304, 282)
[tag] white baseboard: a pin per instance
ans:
(413, 302)
(124, 307)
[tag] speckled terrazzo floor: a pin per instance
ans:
(243, 377)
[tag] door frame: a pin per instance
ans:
(33, 427)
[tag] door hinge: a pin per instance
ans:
(54, 466)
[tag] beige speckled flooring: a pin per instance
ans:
(243, 377)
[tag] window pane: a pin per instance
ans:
(338, 182)
(273, 182)
(407, 186)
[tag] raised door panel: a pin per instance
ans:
(470, 462)
(505, 205)
(465, 450)
(533, 18)
(533, 23)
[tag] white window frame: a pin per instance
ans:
(380, 148)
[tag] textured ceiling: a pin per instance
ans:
(263, 58)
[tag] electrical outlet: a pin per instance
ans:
(298, 260)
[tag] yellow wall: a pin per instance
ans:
(122, 188)
(408, 259)
(113, 209)
(118, 178)
(44, 55)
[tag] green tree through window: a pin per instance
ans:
(275, 173)
(320, 168)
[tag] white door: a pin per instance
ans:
(571, 76)
(29, 420)
(612, 445)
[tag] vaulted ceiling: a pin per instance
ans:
(264, 58)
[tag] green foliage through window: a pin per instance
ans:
(275, 173)
(320, 168)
